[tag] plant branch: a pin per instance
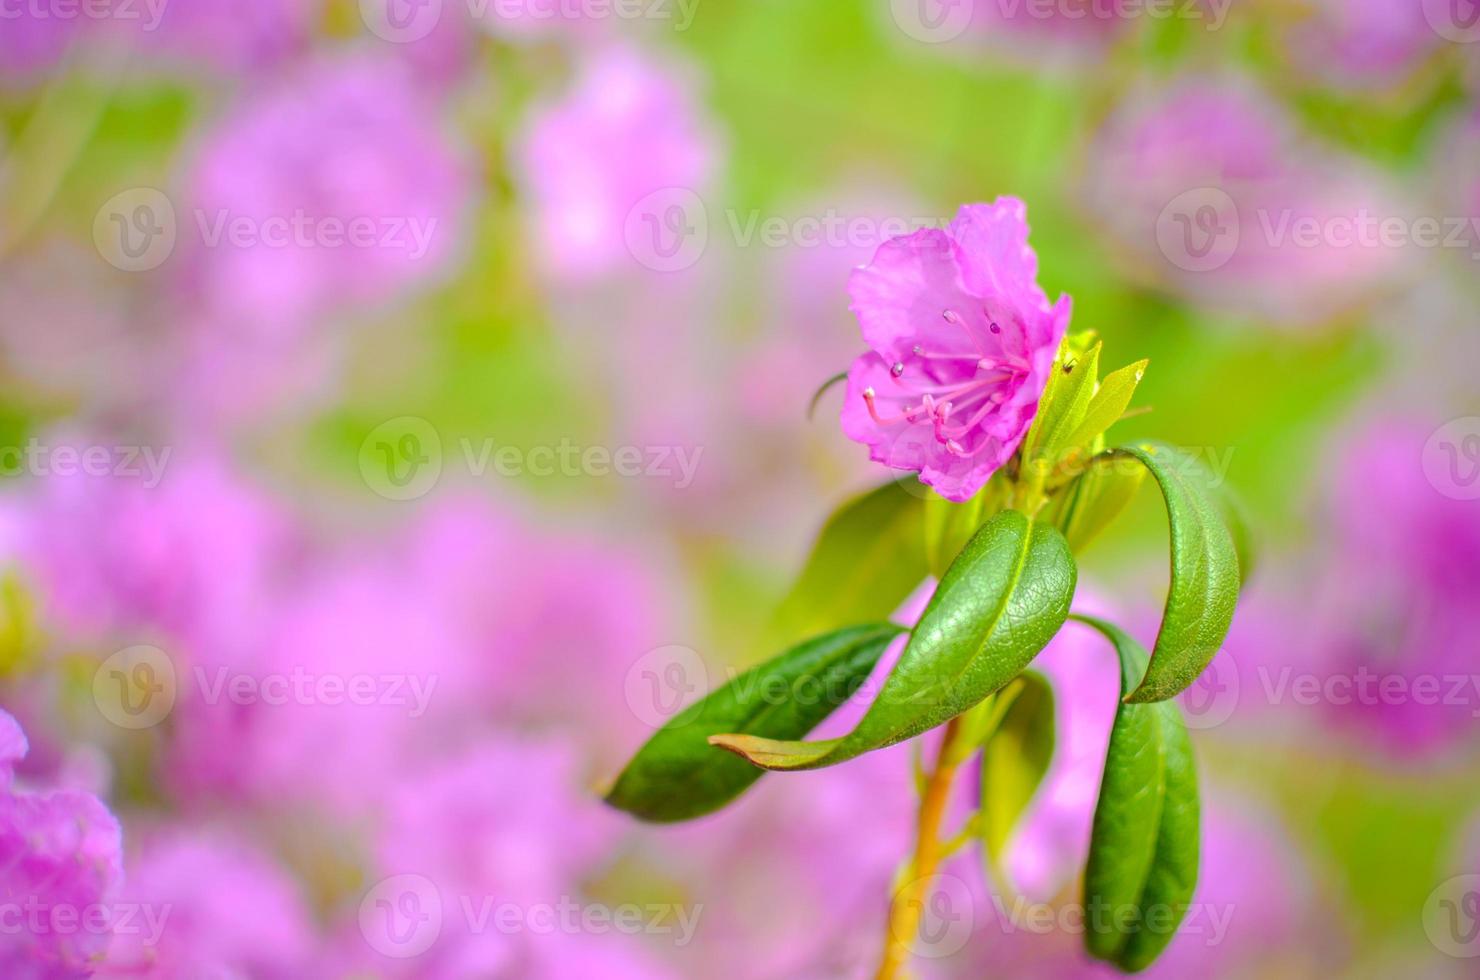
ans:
(909, 898)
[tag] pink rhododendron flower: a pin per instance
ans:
(501, 835)
(627, 129)
(1362, 43)
(32, 42)
(61, 855)
(174, 543)
(962, 341)
(191, 889)
(335, 187)
(221, 35)
(1214, 191)
(1410, 565)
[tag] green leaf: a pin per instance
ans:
(1205, 573)
(1000, 602)
(1143, 851)
(1066, 399)
(868, 559)
(677, 775)
(1095, 500)
(1110, 402)
(1015, 758)
(1236, 515)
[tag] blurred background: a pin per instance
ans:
(403, 407)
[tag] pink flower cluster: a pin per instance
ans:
(962, 340)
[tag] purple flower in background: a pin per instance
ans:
(628, 128)
(962, 340)
(1208, 184)
(191, 891)
(61, 858)
(334, 188)
(354, 622)
(556, 618)
(502, 828)
(169, 541)
(30, 44)
(1362, 43)
(1409, 557)
(511, 817)
(233, 36)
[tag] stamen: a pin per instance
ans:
(873, 410)
(897, 369)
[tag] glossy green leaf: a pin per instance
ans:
(1015, 758)
(1000, 602)
(1236, 515)
(1111, 400)
(869, 557)
(678, 775)
(1204, 578)
(1144, 841)
(1093, 501)
(1066, 399)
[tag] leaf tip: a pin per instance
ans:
(769, 753)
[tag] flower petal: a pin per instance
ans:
(997, 259)
(900, 296)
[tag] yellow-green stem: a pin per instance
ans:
(909, 898)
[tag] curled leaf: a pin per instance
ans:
(1204, 573)
(1144, 842)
